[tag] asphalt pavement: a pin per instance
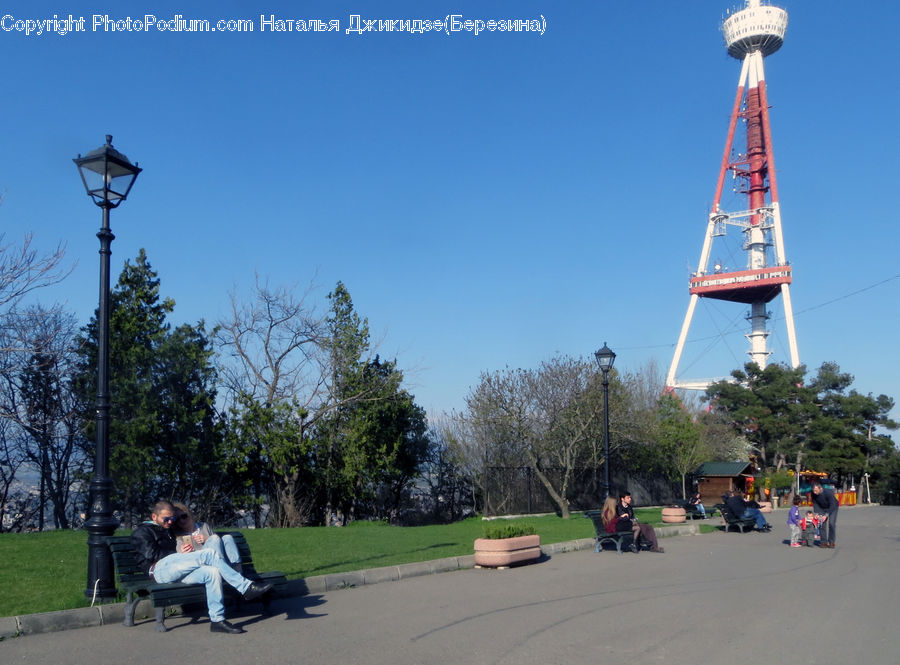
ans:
(714, 598)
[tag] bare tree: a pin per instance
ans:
(22, 270)
(270, 364)
(548, 418)
(12, 459)
(446, 474)
(633, 403)
(289, 372)
(564, 393)
(455, 470)
(40, 405)
(271, 342)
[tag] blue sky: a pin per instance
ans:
(488, 200)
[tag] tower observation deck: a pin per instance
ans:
(750, 34)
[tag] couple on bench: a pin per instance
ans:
(618, 518)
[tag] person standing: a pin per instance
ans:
(155, 548)
(794, 522)
(824, 502)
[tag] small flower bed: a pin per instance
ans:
(494, 531)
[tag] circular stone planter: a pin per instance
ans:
(765, 506)
(673, 515)
(504, 552)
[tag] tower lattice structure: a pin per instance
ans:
(750, 35)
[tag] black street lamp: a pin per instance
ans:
(605, 359)
(107, 176)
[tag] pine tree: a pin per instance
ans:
(162, 430)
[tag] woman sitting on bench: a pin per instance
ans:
(201, 535)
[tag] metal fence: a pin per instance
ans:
(518, 490)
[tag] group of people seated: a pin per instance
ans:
(618, 517)
(172, 547)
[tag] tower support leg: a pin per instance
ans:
(685, 327)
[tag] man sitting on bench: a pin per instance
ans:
(742, 509)
(641, 532)
(154, 545)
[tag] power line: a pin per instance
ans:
(852, 293)
(736, 330)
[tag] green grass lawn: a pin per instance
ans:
(47, 571)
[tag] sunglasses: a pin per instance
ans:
(168, 520)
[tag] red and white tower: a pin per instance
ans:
(750, 34)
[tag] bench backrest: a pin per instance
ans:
(244, 550)
(726, 512)
(128, 574)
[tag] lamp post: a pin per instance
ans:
(107, 176)
(605, 359)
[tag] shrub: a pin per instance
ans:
(494, 531)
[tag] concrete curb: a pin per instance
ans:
(100, 615)
(81, 617)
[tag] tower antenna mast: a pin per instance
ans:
(751, 34)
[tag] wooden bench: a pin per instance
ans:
(731, 519)
(137, 585)
(690, 510)
(601, 535)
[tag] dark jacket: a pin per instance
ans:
(737, 505)
(151, 543)
(824, 503)
(624, 517)
(624, 511)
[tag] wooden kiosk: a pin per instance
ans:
(716, 478)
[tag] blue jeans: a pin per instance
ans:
(225, 547)
(758, 516)
(203, 566)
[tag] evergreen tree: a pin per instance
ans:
(346, 343)
(771, 407)
(845, 442)
(162, 431)
(372, 437)
(384, 442)
(266, 456)
(820, 424)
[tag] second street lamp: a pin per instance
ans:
(605, 359)
(107, 176)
